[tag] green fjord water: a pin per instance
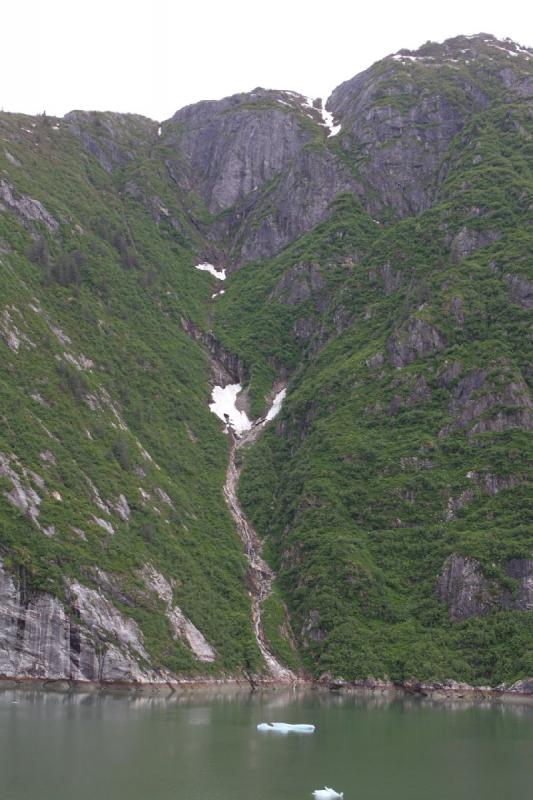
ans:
(204, 745)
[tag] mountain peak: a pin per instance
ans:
(464, 48)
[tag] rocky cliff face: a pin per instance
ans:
(113, 139)
(86, 638)
(39, 639)
(266, 168)
(232, 147)
(261, 165)
(467, 592)
(401, 115)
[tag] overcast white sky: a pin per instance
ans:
(155, 56)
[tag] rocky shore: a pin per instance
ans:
(520, 691)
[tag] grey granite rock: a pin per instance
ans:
(415, 339)
(467, 591)
(464, 588)
(91, 641)
(521, 290)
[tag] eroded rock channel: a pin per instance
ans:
(260, 575)
(243, 432)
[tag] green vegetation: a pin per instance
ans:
(352, 489)
(121, 404)
(404, 344)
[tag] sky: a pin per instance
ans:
(152, 57)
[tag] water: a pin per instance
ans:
(107, 747)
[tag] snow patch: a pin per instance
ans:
(327, 118)
(224, 406)
(205, 267)
(275, 408)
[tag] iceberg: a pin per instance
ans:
(327, 794)
(285, 727)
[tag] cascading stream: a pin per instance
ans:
(242, 431)
(260, 574)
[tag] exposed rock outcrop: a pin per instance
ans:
(475, 396)
(467, 591)
(249, 156)
(520, 570)
(26, 208)
(401, 123)
(90, 642)
(226, 367)
(182, 627)
(231, 147)
(467, 241)
(521, 290)
(298, 284)
(417, 338)
(113, 139)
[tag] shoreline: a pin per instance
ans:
(369, 688)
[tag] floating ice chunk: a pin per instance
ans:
(327, 794)
(224, 406)
(205, 267)
(285, 727)
(276, 405)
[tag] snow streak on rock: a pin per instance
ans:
(327, 117)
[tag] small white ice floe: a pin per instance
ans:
(285, 727)
(327, 794)
(218, 273)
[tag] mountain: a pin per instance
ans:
(378, 257)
